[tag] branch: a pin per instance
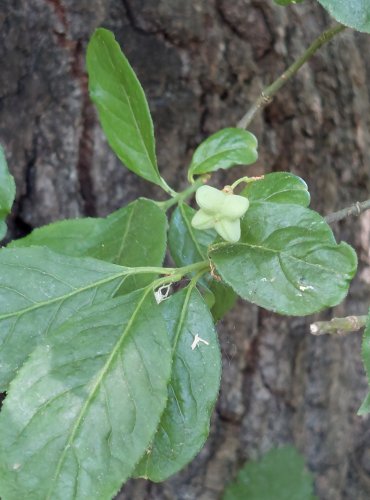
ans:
(338, 326)
(268, 93)
(355, 209)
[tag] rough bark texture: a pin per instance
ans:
(202, 62)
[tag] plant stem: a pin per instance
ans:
(179, 197)
(338, 326)
(355, 209)
(170, 271)
(172, 278)
(268, 93)
(246, 180)
(194, 280)
(167, 188)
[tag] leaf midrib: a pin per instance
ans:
(62, 297)
(180, 324)
(214, 156)
(99, 378)
(179, 327)
(120, 250)
(271, 250)
(191, 232)
(153, 164)
(271, 195)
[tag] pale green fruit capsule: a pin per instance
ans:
(209, 198)
(229, 229)
(203, 220)
(220, 210)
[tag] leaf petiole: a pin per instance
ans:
(168, 189)
(246, 180)
(172, 273)
(183, 195)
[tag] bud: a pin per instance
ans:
(221, 211)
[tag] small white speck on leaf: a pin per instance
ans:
(197, 340)
(162, 293)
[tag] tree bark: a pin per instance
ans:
(202, 63)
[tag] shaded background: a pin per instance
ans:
(202, 63)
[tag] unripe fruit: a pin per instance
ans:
(220, 210)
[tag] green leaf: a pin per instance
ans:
(192, 390)
(225, 148)
(287, 260)
(278, 187)
(39, 290)
(85, 406)
(287, 2)
(133, 236)
(365, 407)
(279, 475)
(208, 296)
(224, 299)
(188, 245)
(353, 13)
(7, 192)
(123, 109)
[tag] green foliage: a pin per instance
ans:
(352, 13)
(188, 245)
(225, 148)
(224, 299)
(278, 187)
(86, 405)
(287, 259)
(193, 388)
(7, 192)
(279, 475)
(123, 109)
(39, 290)
(106, 378)
(132, 236)
(365, 407)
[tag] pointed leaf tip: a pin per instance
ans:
(122, 106)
